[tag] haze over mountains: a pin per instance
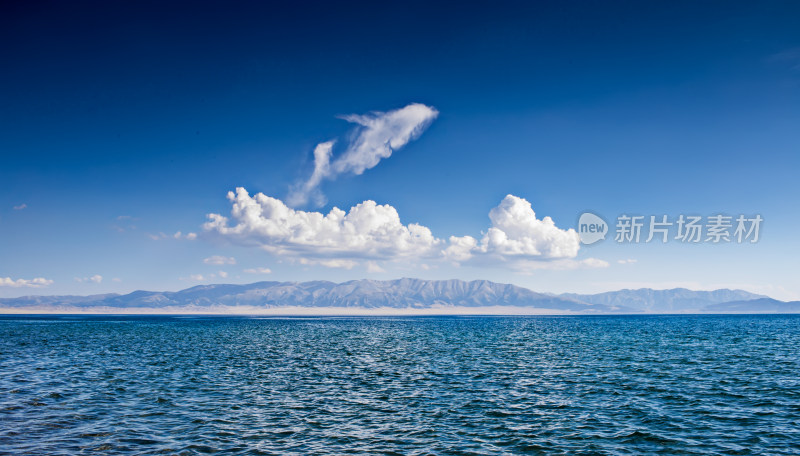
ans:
(402, 296)
(676, 300)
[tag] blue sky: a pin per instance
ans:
(122, 124)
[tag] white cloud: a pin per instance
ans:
(528, 267)
(382, 134)
(178, 235)
(517, 232)
(124, 223)
(370, 232)
(516, 235)
(219, 260)
(377, 136)
(187, 236)
(20, 207)
(300, 193)
(97, 278)
(626, 261)
(592, 263)
(38, 282)
(367, 231)
(339, 263)
(258, 271)
(223, 274)
(789, 57)
(199, 277)
(374, 267)
(460, 248)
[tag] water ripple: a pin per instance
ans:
(451, 386)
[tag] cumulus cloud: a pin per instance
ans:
(219, 260)
(370, 232)
(222, 274)
(97, 278)
(367, 231)
(518, 240)
(376, 137)
(38, 282)
(461, 248)
(258, 271)
(517, 233)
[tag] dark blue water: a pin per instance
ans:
(517, 385)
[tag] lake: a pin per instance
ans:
(424, 385)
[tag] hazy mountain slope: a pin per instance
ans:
(407, 294)
(762, 305)
(29, 301)
(369, 294)
(676, 300)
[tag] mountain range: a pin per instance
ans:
(402, 296)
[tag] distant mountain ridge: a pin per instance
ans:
(676, 300)
(407, 295)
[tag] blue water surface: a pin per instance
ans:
(449, 385)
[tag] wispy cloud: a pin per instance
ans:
(178, 235)
(38, 282)
(376, 137)
(20, 207)
(124, 223)
(187, 236)
(340, 263)
(788, 57)
(97, 278)
(205, 277)
(219, 260)
(258, 271)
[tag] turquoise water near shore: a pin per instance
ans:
(449, 385)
